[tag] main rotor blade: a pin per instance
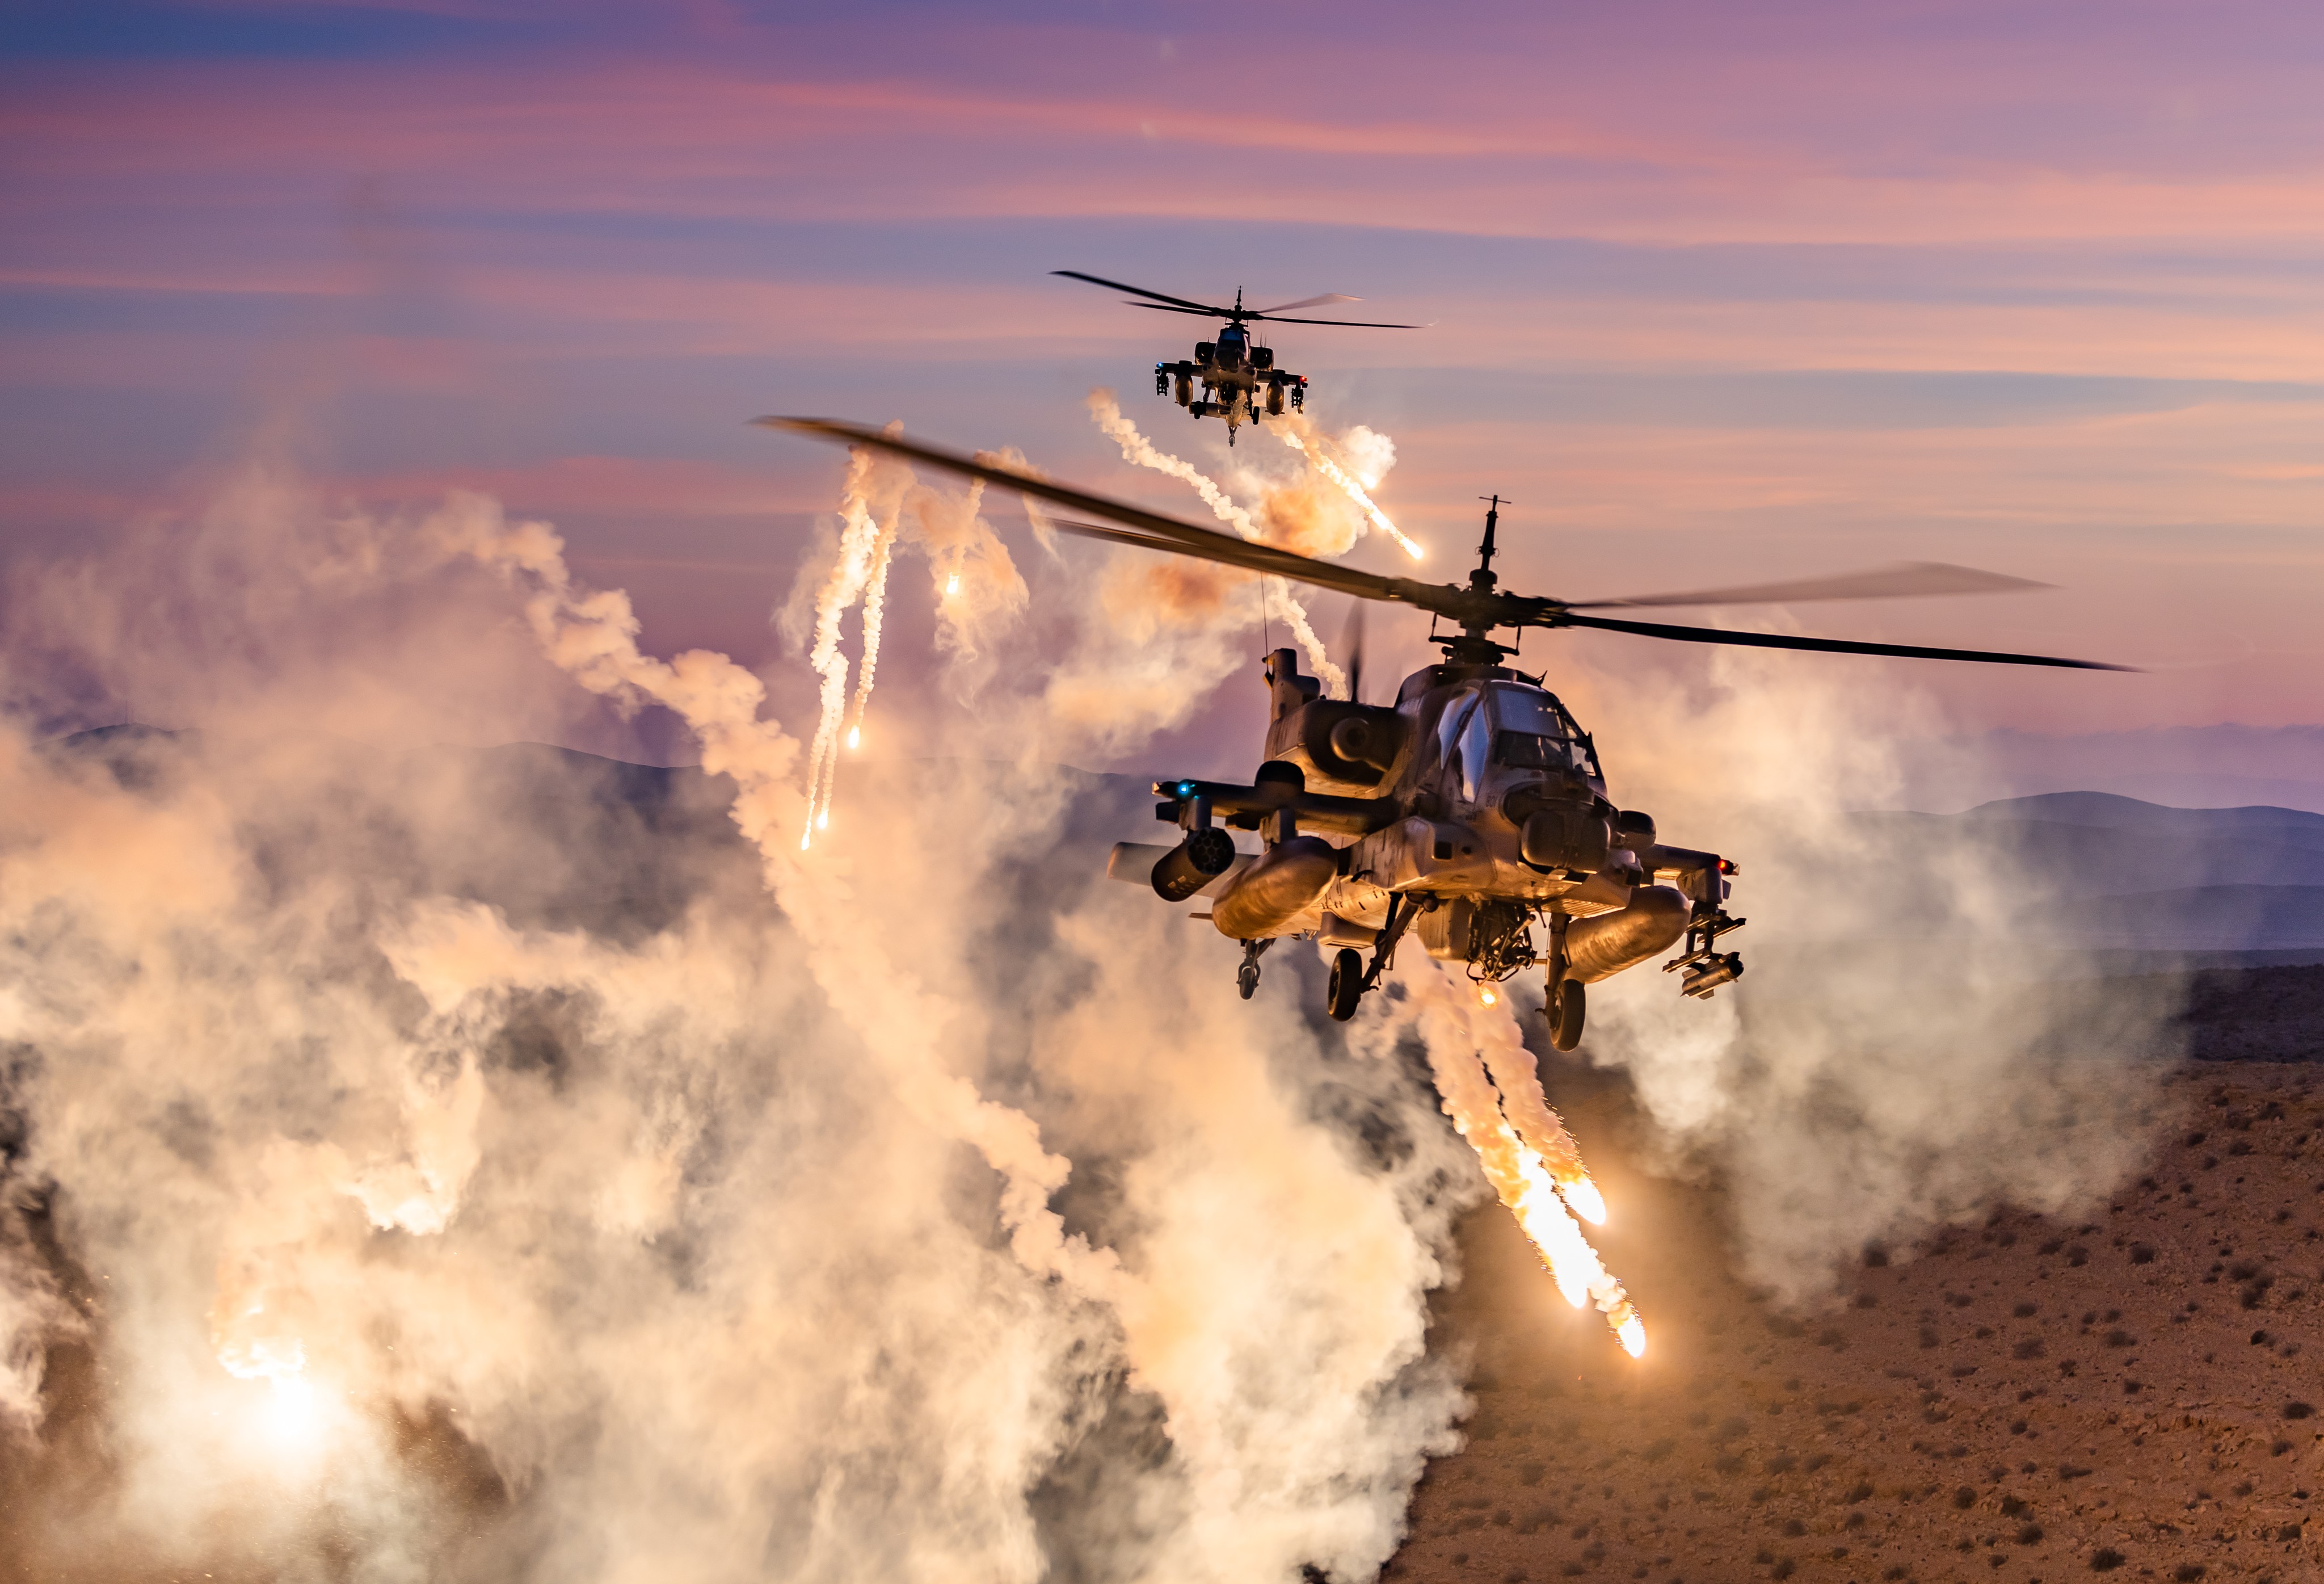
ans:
(1311, 302)
(1149, 530)
(1142, 291)
(1352, 324)
(1819, 645)
(1906, 580)
(1227, 550)
(1273, 318)
(1197, 312)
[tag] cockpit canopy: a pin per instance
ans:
(1512, 727)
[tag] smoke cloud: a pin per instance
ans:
(494, 1162)
(1898, 1056)
(1290, 511)
(429, 1157)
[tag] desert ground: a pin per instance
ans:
(2134, 1391)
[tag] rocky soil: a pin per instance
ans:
(2136, 1392)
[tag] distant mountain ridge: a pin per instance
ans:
(2106, 871)
(2113, 812)
(2180, 766)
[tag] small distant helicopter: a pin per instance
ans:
(1468, 811)
(1234, 371)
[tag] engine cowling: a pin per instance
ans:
(1336, 741)
(1287, 880)
(1601, 947)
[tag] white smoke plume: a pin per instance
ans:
(475, 1164)
(1897, 1056)
(1457, 1028)
(1276, 596)
(863, 540)
(593, 636)
(979, 591)
(1379, 456)
(875, 615)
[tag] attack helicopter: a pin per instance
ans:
(1473, 809)
(1237, 374)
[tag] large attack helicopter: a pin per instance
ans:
(1472, 809)
(1237, 374)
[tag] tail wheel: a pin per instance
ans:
(1347, 986)
(1567, 1008)
(1247, 980)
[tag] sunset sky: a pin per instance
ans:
(1716, 293)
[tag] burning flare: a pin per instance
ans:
(1544, 1188)
(1306, 441)
(862, 544)
(875, 610)
(254, 1343)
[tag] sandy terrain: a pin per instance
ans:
(2022, 1400)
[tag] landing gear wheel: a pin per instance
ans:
(1347, 985)
(1247, 975)
(1567, 1006)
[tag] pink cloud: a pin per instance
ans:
(665, 136)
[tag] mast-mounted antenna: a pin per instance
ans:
(1475, 646)
(1482, 578)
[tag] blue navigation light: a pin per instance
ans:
(1186, 788)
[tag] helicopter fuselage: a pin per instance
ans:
(1237, 378)
(1469, 811)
